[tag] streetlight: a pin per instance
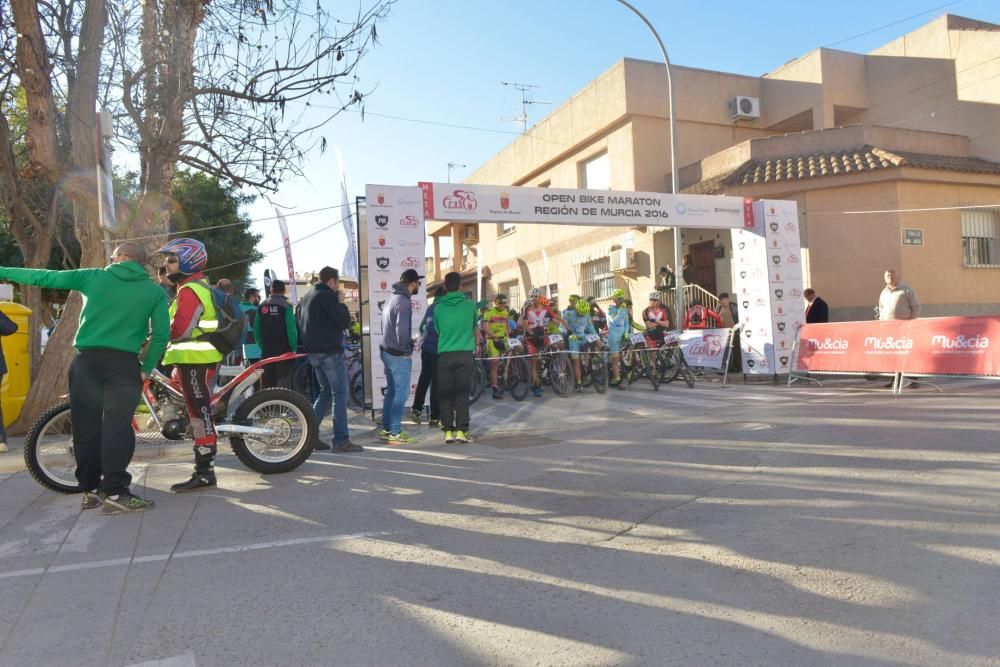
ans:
(678, 274)
(453, 165)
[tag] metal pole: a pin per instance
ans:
(678, 274)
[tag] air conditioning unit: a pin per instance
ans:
(623, 259)
(471, 234)
(745, 108)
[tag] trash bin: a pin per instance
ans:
(17, 352)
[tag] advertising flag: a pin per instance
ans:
(349, 267)
(294, 296)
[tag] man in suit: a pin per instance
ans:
(817, 311)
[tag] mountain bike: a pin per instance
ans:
(513, 373)
(637, 360)
(593, 364)
(554, 365)
(270, 430)
(670, 361)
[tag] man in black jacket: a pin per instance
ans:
(817, 311)
(323, 319)
(275, 331)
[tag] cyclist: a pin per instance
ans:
(700, 317)
(597, 314)
(579, 325)
(192, 315)
(496, 327)
(537, 318)
(618, 324)
(656, 318)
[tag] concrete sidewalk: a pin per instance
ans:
(754, 525)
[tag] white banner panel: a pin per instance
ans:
(395, 226)
(704, 347)
(768, 286)
(461, 202)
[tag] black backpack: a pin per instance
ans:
(232, 321)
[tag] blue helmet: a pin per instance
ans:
(191, 255)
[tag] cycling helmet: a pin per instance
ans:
(191, 255)
(655, 296)
(535, 291)
(501, 298)
(591, 299)
(582, 307)
(573, 298)
(618, 294)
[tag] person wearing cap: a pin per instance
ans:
(396, 349)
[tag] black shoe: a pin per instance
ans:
(434, 422)
(347, 447)
(198, 481)
(497, 392)
(320, 446)
(415, 415)
(125, 502)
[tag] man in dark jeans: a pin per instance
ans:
(123, 307)
(275, 331)
(323, 319)
(455, 321)
(428, 366)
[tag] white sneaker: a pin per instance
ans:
(3, 448)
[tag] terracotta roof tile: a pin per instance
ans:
(836, 163)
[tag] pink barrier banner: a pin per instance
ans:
(929, 346)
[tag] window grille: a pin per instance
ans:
(980, 246)
(596, 279)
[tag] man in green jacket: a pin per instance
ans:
(122, 307)
(455, 321)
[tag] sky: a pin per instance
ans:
(443, 61)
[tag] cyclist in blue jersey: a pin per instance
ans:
(579, 324)
(618, 324)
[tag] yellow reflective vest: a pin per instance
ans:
(191, 350)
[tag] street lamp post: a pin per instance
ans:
(678, 274)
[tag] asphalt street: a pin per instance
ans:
(750, 525)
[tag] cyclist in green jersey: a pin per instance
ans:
(496, 328)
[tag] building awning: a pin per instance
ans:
(835, 163)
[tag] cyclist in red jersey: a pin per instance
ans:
(656, 317)
(534, 322)
(699, 316)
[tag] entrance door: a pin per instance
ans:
(703, 261)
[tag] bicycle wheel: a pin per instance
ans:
(293, 427)
(357, 388)
(478, 383)
(648, 368)
(517, 378)
(687, 374)
(48, 450)
(302, 380)
(561, 374)
(586, 379)
(599, 372)
(669, 361)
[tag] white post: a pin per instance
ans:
(678, 292)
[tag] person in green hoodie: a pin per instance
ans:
(122, 307)
(455, 321)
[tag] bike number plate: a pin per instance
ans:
(671, 338)
(638, 338)
(514, 342)
(593, 338)
(555, 339)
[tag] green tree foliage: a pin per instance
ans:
(203, 201)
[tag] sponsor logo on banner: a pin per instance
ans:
(381, 220)
(380, 304)
(795, 293)
(889, 344)
(793, 259)
(976, 344)
(380, 198)
(460, 200)
(382, 263)
(415, 305)
(790, 227)
(746, 303)
(834, 345)
(505, 200)
(784, 360)
(710, 345)
(776, 259)
(410, 263)
(748, 220)
(751, 363)
(409, 221)
(781, 326)
(779, 293)
(743, 244)
(383, 284)
(774, 226)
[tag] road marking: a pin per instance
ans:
(195, 553)
(183, 660)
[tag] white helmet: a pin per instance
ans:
(535, 292)
(655, 295)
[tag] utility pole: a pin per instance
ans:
(521, 119)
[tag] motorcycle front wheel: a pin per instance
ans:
(292, 422)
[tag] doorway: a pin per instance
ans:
(703, 262)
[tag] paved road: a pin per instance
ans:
(755, 525)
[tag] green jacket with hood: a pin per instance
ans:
(122, 306)
(455, 321)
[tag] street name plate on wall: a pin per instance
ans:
(913, 237)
